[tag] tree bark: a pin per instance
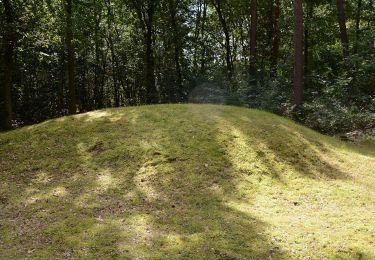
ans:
(10, 41)
(97, 86)
(203, 47)
(309, 18)
(176, 42)
(298, 53)
(253, 37)
(224, 24)
(72, 100)
(146, 19)
(150, 62)
(357, 24)
(275, 37)
(114, 65)
(343, 31)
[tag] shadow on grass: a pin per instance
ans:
(149, 185)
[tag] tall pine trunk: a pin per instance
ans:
(203, 44)
(98, 101)
(8, 56)
(253, 37)
(176, 52)
(225, 28)
(309, 19)
(357, 24)
(72, 101)
(275, 37)
(343, 31)
(150, 60)
(298, 53)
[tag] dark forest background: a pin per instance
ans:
(61, 57)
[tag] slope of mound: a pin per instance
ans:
(183, 182)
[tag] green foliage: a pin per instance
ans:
(188, 51)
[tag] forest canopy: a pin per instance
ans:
(310, 60)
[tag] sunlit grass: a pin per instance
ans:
(184, 182)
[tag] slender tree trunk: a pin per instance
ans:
(228, 54)
(343, 31)
(116, 94)
(275, 37)
(152, 96)
(198, 20)
(298, 53)
(10, 41)
(253, 37)
(83, 97)
(310, 10)
(224, 24)
(357, 25)
(61, 93)
(146, 19)
(176, 42)
(72, 100)
(97, 97)
(203, 44)
(114, 65)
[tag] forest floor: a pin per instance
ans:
(184, 182)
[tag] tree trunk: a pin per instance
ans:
(357, 24)
(61, 93)
(309, 18)
(152, 97)
(224, 24)
(10, 41)
(275, 37)
(298, 53)
(253, 37)
(176, 42)
(72, 101)
(203, 47)
(343, 31)
(198, 20)
(146, 18)
(97, 96)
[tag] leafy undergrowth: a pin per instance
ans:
(184, 182)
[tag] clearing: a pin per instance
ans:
(184, 182)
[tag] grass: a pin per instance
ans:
(184, 182)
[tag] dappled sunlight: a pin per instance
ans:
(143, 177)
(248, 154)
(41, 196)
(204, 182)
(42, 178)
(94, 115)
(106, 181)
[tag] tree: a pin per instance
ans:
(343, 31)
(146, 15)
(8, 58)
(357, 24)
(72, 102)
(224, 23)
(298, 53)
(253, 36)
(200, 38)
(309, 19)
(62, 56)
(275, 36)
(173, 9)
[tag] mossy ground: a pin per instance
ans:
(184, 182)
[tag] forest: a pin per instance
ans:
(313, 61)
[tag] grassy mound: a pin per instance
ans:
(183, 182)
